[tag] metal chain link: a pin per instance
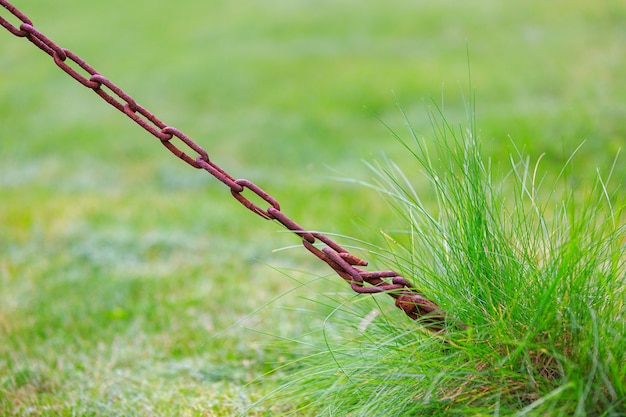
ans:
(346, 265)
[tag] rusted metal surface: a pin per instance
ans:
(414, 304)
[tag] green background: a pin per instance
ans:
(133, 284)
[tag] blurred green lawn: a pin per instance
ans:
(133, 284)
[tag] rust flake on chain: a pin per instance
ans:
(345, 264)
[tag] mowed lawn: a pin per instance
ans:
(132, 284)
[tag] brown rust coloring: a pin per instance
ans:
(414, 304)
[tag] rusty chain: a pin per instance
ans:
(345, 264)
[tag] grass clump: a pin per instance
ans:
(532, 262)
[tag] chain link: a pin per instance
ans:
(345, 264)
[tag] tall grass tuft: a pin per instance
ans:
(531, 261)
